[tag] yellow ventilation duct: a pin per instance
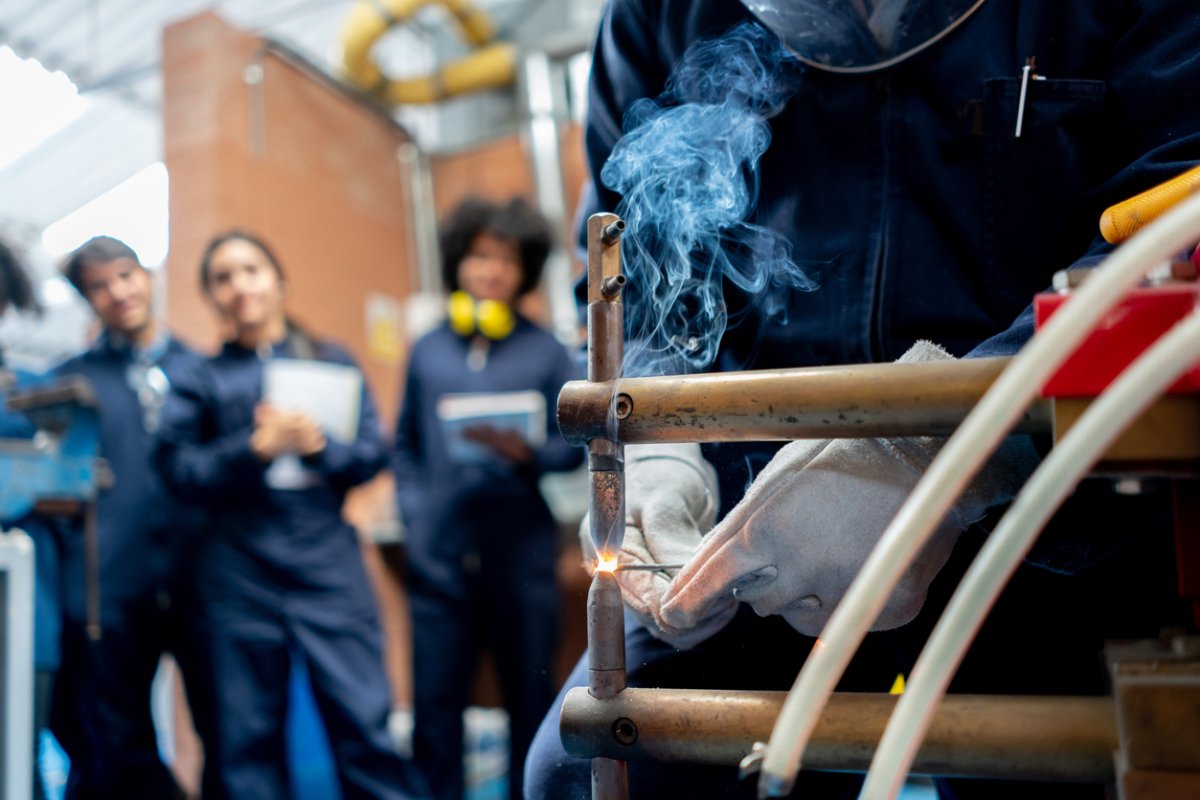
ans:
(491, 66)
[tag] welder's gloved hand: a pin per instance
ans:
(794, 543)
(670, 502)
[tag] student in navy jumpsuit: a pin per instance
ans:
(910, 200)
(481, 540)
(281, 572)
(146, 539)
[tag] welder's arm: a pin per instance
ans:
(1150, 86)
(799, 536)
(192, 458)
(670, 502)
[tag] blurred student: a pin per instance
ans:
(281, 573)
(102, 699)
(481, 540)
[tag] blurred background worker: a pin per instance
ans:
(281, 571)
(17, 293)
(930, 165)
(476, 431)
(146, 541)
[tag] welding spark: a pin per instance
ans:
(606, 562)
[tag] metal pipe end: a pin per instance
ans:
(612, 285)
(611, 233)
(606, 636)
(622, 406)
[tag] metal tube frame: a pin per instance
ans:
(613, 724)
(606, 504)
(1053, 739)
(862, 400)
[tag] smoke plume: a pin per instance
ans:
(687, 170)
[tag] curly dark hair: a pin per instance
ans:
(15, 288)
(97, 250)
(515, 221)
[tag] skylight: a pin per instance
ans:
(134, 211)
(37, 104)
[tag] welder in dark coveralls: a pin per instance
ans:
(482, 543)
(101, 706)
(910, 199)
(281, 572)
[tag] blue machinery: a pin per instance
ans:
(60, 464)
(58, 471)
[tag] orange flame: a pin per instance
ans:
(606, 562)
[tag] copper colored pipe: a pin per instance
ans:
(1063, 739)
(865, 400)
(606, 506)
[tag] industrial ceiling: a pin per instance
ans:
(111, 50)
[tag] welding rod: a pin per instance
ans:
(859, 401)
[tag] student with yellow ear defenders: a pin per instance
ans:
(481, 541)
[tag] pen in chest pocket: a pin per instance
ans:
(1028, 73)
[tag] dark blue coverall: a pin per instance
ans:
(101, 707)
(281, 571)
(909, 200)
(481, 548)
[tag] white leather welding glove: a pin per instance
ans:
(670, 502)
(794, 543)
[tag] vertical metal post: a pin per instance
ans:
(424, 245)
(16, 665)
(541, 79)
(606, 506)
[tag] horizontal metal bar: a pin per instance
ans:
(1067, 739)
(863, 400)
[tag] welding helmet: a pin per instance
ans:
(859, 35)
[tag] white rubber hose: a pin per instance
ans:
(1006, 547)
(950, 472)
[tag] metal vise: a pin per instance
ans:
(59, 471)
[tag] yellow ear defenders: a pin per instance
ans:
(493, 319)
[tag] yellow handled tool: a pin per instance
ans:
(1126, 218)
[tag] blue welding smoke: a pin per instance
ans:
(687, 171)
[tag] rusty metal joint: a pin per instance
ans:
(610, 234)
(611, 287)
